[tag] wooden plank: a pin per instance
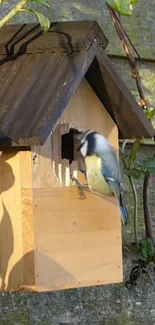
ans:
(39, 110)
(11, 241)
(116, 97)
(42, 166)
(140, 26)
(77, 229)
(64, 36)
(78, 242)
(85, 111)
(27, 220)
(16, 239)
(147, 75)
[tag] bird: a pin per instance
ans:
(103, 171)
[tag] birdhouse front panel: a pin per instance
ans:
(55, 240)
(77, 242)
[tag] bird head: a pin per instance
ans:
(91, 143)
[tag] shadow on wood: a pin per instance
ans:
(6, 229)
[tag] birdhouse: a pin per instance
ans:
(51, 85)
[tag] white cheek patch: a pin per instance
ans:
(84, 148)
(101, 142)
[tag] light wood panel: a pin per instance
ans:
(28, 231)
(16, 225)
(11, 241)
(84, 111)
(78, 242)
(49, 238)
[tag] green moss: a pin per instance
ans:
(93, 304)
(120, 321)
(45, 323)
(16, 318)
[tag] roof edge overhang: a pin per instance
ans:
(117, 99)
(17, 39)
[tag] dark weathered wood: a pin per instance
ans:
(117, 99)
(147, 75)
(65, 36)
(36, 98)
(35, 88)
(140, 26)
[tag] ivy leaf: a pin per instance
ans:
(123, 7)
(134, 2)
(150, 113)
(134, 150)
(42, 2)
(135, 173)
(44, 22)
(146, 249)
(151, 166)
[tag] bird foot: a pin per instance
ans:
(80, 187)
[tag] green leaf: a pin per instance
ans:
(134, 2)
(134, 151)
(150, 113)
(123, 7)
(146, 249)
(42, 2)
(135, 173)
(151, 166)
(44, 21)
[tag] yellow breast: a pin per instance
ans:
(95, 178)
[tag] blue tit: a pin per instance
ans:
(102, 168)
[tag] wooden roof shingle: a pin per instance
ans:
(39, 74)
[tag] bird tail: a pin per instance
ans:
(123, 209)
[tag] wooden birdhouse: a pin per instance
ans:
(51, 85)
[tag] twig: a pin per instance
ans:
(135, 210)
(140, 59)
(12, 13)
(147, 214)
(123, 38)
(134, 196)
(150, 277)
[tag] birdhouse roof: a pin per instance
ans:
(39, 74)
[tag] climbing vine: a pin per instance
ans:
(25, 6)
(134, 170)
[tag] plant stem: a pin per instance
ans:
(147, 214)
(134, 195)
(135, 209)
(123, 38)
(12, 13)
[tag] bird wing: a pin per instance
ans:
(117, 188)
(112, 182)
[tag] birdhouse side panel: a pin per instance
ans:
(17, 233)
